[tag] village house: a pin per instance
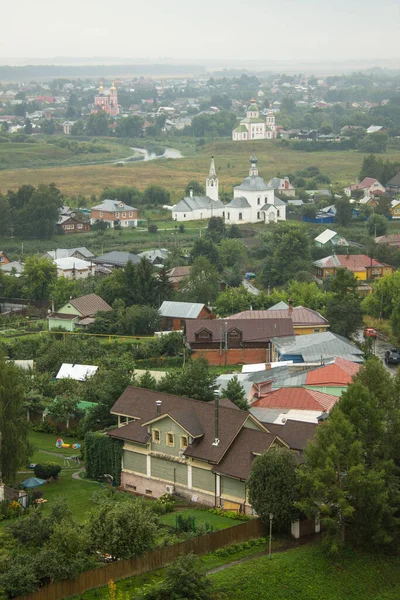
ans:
(81, 252)
(393, 185)
(304, 320)
(177, 275)
(114, 213)
(116, 259)
(391, 239)
(368, 185)
(78, 312)
(330, 238)
(201, 450)
(315, 348)
(282, 186)
(174, 314)
(235, 341)
(4, 260)
(69, 224)
(395, 209)
(362, 266)
(74, 268)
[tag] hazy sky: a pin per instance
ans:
(227, 29)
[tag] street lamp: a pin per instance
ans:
(271, 516)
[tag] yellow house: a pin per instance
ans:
(395, 209)
(362, 266)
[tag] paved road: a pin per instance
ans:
(379, 347)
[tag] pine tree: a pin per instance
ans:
(234, 391)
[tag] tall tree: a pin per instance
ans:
(202, 284)
(39, 276)
(14, 446)
(272, 486)
(344, 212)
(234, 391)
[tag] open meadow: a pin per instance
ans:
(232, 161)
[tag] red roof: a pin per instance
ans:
(297, 399)
(341, 372)
(364, 184)
(351, 262)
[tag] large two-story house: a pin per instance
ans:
(201, 450)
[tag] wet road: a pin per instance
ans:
(379, 347)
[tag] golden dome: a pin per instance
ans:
(101, 88)
(113, 88)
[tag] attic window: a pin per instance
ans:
(204, 335)
(184, 441)
(170, 439)
(235, 334)
(156, 436)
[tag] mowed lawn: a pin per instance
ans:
(232, 162)
(201, 516)
(307, 574)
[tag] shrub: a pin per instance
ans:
(152, 228)
(47, 470)
(230, 514)
(164, 504)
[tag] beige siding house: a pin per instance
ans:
(200, 450)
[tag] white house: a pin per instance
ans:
(282, 186)
(254, 126)
(369, 185)
(74, 268)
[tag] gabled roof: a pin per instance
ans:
(89, 305)
(325, 236)
(77, 372)
(189, 203)
(67, 252)
(261, 330)
(181, 310)
(276, 182)
(364, 184)
(340, 372)
(113, 206)
(395, 181)
(351, 262)
(176, 274)
(297, 398)
(66, 264)
(117, 259)
(295, 433)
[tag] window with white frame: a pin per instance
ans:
(170, 439)
(156, 436)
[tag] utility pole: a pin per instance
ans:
(271, 516)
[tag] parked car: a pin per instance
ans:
(370, 332)
(392, 357)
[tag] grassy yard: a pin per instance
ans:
(201, 516)
(306, 574)
(232, 161)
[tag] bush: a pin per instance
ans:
(47, 470)
(238, 547)
(152, 228)
(163, 505)
(43, 427)
(230, 514)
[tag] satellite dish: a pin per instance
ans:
(283, 420)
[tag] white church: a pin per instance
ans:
(254, 201)
(254, 127)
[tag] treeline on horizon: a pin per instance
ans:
(14, 73)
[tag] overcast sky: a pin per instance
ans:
(202, 29)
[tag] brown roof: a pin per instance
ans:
(238, 461)
(90, 304)
(141, 404)
(300, 315)
(295, 433)
(252, 330)
(393, 239)
(176, 274)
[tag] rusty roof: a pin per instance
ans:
(300, 315)
(340, 372)
(296, 398)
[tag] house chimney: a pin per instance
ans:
(191, 192)
(322, 417)
(158, 407)
(216, 422)
(290, 305)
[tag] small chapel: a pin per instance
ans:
(254, 126)
(254, 201)
(107, 100)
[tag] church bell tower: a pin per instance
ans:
(212, 182)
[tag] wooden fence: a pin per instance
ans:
(155, 559)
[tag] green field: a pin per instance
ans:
(232, 161)
(306, 574)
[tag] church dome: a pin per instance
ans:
(113, 88)
(252, 106)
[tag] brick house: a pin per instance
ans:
(174, 314)
(236, 341)
(115, 213)
(201, 450)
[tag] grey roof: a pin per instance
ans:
(68, 252)
(253, 183)
(239, 202)
(117, 259)
(279, 306)
(275, 182)
(180, 310)
(319, 346)
(152, 255)
(295, 202)
(278, 201)
(15, 265)
(189, 203)
(268, 206)
(113, 206)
